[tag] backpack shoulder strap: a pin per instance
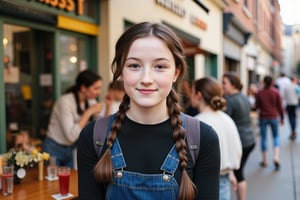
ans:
(101, 130)
(192, 127)
(191, 124)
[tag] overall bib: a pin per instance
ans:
(138, 186)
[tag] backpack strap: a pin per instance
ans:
(191, 124)
(192, 127)
(101, 130)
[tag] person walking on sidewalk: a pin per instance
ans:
(291, 93)
(281, 82)
(269, 106)
(207, 97)
(238, 108)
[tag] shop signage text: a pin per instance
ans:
(198, 22)
(172, 6)
(67, 5)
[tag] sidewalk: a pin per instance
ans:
(267, 184)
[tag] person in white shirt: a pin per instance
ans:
(292, 93)
(281, 82)
(207, 97)
(70, 113)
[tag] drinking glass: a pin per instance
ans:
(7, 180)
(64, 180)
(52, 168)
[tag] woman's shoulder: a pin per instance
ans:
(87, 131)
(66, 98)
(207, 133)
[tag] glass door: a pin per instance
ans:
(28, 63)
(72, 58)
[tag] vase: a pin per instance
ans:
(17, 179)
(26, 174)
(41, 170)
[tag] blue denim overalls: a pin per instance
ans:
(132, 185)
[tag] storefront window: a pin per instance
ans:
(72, 59)
(90, 8)
(28, 81)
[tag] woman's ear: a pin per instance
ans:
(177, 71)
(199, 95)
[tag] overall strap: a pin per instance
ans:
(101, 130)
(192, 127)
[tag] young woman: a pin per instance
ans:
(207, 97)
(148, 128)
(71, 112)
(269, 106)
(238, 108)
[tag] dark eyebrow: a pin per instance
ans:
(132, 58)
(158, 59)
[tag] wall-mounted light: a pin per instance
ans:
(73, 47)
(73, 59)
(5, 42)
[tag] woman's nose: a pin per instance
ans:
(147, 75)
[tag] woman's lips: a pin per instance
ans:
(146, 91)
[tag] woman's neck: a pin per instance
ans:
(81, 97)
(144, 115)
(205, 108)
(233, 91)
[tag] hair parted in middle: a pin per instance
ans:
(104, 169)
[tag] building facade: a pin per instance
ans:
(45, 45)
(259, 23)
(197, 23)
(291, 49)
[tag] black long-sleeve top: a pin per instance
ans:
(145, 148)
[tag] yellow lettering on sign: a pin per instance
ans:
(62, 4)
(54, 3)
(68, 5)
(80, 7)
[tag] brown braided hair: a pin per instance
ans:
(104, 169)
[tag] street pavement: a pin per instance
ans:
(268, 184)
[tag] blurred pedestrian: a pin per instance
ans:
(113, 98)
(292, 93)
(269, 106)
(238, 108)
(186, 99)
(207, 96)
(145, 155)
(70, 113)
(281, 82)
(252, 89)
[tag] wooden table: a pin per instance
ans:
(33, 189)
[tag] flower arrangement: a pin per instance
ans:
(22, 159)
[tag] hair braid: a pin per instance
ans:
(187, 189)
(104, 169)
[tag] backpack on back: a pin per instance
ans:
(190, 124)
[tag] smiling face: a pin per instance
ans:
(149, 73)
